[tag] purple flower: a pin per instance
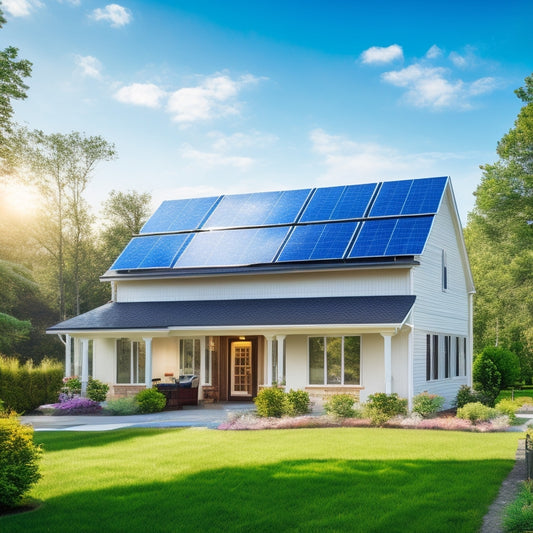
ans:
(77, 406)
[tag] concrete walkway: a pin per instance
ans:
(210, 416)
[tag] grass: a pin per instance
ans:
(336, 479)
(517, 393)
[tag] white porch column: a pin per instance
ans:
(148, 362)
(203, 361)
(84, 366)
(68, 356)
(281, 351)
(270, 340)
(387, 352)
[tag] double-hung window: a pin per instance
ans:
(334, 360)
(190, 356)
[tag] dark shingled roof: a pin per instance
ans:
(349, 310)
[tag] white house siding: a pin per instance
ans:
(438, 311)
(289, 285)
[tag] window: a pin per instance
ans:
(131, 361)
(444, 271)
(447, 356)
(334, 360)
(457, 357)
(190, 356)
(432, 357)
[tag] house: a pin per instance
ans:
(360, 288)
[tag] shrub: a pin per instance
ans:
(296, 403)
(340, 406)
(381, 407)
(270, 402)
(26, 387)
(150, 401)
(77, 406)
(518, 515)
(487, 378)
(509, 408)
(71, 387)
(426, 404)
(96, 390)
(465, 395)
(122, 406)
(507, 363)
(19, 457)
(476, 412)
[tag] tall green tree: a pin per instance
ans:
(60, 166)
(499, 236)
(13, 71)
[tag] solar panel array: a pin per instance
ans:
(344, 223)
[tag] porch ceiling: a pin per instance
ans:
(279, 312)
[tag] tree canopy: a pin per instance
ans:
(499, 237)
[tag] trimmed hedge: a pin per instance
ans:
(25, 387)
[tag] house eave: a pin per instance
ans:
(293, 268)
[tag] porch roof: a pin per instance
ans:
(347, 310)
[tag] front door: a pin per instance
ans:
(241, 369)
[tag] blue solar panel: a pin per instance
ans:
(424, 196)
(392, 236)
(318, 241)
(179, 215)
(391, 198)
(338, 203)
(153, 251)
(257, 209)
(233, 247)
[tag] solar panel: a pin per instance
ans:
(424, 196)
(391, 198)
(233, 247)
(392, 236)
(257, 209)
(152, 251)
(338, 203)
(180, 215)
(318, 241)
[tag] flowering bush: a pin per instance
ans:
(426, 404)
(71, 388)
(77, 406)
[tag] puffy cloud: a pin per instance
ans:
(434, 52)
(143, 94)
(89, 66)
(113, 13)
(239, 141)
(20, 8)
(380, 55)
(216, 159)
(214, 97)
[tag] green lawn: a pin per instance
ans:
(337, 479)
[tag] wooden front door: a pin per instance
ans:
(241, 369)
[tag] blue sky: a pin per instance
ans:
(203, 97)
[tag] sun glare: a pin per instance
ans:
(19, 199)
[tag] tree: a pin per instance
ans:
(60, 167)
(125, 214)
(12, 87)
(499, 237)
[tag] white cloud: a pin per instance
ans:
(432, 87)
(434, 52)
(89, 66)
(215, 159)
(214, 97)
(20, 8)
(239, 141)
(380, 55)
(142, 94)
(113, 13)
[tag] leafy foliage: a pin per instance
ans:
(270, 402)
(426, 404)
(476, 412)
(381, 407)
(19, 461)
(518, 515)
(122, 406)
(499, 238)
(77, 406)
(296, 403)
(150, 401)
(465, 395)
(96, 390)
(487, 378)
(341, 406)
